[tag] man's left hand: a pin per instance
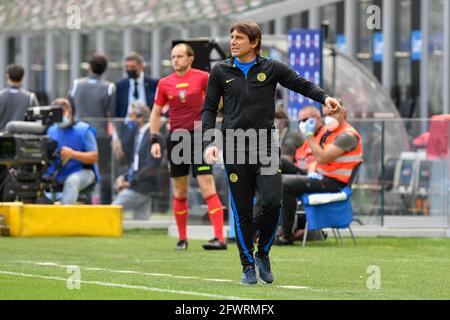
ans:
(332, 106)
(66, 154)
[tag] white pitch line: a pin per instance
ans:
(152, 274)
(288, 287)
(54, 264)
(126, 286)
(218, 280)
(293, 287)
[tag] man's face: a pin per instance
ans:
(67, 112)
(132, 116)
(306, 114)
(134, 65)
(140, 121)
(240, 44)
(180, 60)
(67, 120)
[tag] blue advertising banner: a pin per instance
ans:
(416, 45)
(341, 43)
(305, 57)
(378, 47)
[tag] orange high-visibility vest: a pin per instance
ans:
(342, 167)
(304, 159)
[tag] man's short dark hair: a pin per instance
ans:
(134, 56)
(98, 63)
(251, 29)
(15, 72)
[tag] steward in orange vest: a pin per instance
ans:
(337, 151)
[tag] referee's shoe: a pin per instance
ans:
(215, 244)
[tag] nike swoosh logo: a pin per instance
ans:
(228, 81)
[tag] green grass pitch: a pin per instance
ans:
(144, 265)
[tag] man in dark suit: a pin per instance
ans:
(137, 183)
(136, 87)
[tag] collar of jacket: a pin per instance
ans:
(93, 76)
(230, 62)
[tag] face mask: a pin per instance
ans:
(132, 74)
(65, 122)
(331, 123)
(131, 124)
(302, 127)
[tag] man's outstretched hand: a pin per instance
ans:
(332, 106)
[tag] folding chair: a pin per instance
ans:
(328, 210)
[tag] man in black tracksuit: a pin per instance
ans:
(247, 82)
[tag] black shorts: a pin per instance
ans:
(182, 169)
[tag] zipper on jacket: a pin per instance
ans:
(246, 89)
(247, 98)
(247, 118)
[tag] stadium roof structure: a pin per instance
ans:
(40, 15)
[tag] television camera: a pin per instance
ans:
(27, 152)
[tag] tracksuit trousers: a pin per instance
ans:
(244, 180)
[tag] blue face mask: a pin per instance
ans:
(65, 122)
(132, 124)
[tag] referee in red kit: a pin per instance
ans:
(184, 92)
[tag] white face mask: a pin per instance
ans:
(302, 128)
(331, 123)
(65, 122)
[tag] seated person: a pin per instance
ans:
(337, 151)
(136, 184)
(303, 162)
(75, 166)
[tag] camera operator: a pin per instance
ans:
(75, 167)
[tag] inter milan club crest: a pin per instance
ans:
(182, 95)
(261, 77)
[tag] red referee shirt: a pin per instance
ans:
(184, 96)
